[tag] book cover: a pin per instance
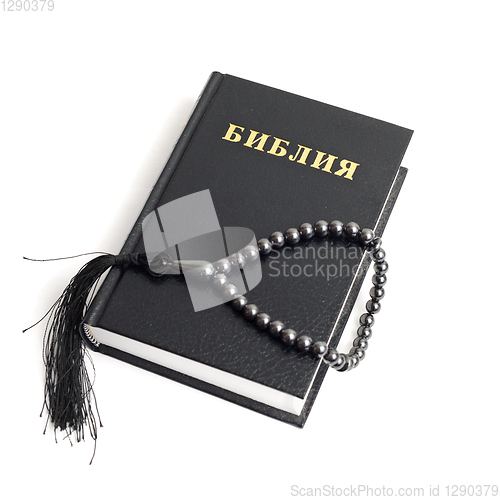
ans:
(270, 160)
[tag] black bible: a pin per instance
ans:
(270, 160)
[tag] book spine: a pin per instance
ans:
(102, 296)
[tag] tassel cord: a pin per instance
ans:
(68, 394)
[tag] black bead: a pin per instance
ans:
(262, 321)
(264, 246)
(275, 328)
(352, 230)
(365, 332)
(306, 231)
(377, 293)
(375, 245)
(366, 319)
(238, 303)
(366, 236)
(379, 255)
(379, 280)
(373, 307)
(361, 342)
(321, 228)
(360, 353)
(345, 366)
(277, 239)
(331, 355)
(319, 348)
(289, 336)
(336, 228)
(304, 342)
(348, 364)
(381, 268)
(341, 363)
(250, 311)
(354, 361)
(292, 236)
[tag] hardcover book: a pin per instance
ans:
(270, 160)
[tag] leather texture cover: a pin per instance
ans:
(257, 187)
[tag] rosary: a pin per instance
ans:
(218, 272)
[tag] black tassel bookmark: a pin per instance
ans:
(69, 396)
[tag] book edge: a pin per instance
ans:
(212, 375)
(343, 110)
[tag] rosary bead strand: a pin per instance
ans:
(304, 343)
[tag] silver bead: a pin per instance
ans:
(229, 291)
(289, 336)
(223, 266)
(292, 236)
(336, 228)
(306, 231)
(202, 273)
(250, 253)
(237, 260)
(264, 246)
(277, 239)
(321, 228)
(275, 328)
(250, 311)
(319, 348)
(219, 281)
(262, 321)
(239, 302)
(304, 342)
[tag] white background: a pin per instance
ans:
(93, 96)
